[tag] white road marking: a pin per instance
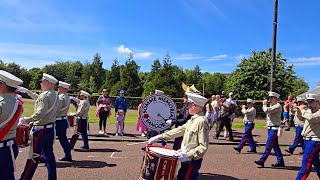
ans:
(130, 144)
(111, 156)
(93, 156)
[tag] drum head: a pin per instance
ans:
(155, 110)
(163, 151)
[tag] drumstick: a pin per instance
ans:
(130, 144)
(159, 115)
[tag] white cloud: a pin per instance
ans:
(217, 58)
(138, 55)
(142, 55)
(305, 61)
(188, 57)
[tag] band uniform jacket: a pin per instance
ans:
(7, 102)
(311, 128)
(195, 136)
(83, 109)
(45, 109)
(273, 114)
(249, 114)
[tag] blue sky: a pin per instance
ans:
(215, 34)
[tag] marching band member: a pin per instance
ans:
(249, 115)
(10, 111)
(311, 135)
(195, 138)
(43, 119)
(273, 122)
(62, 123)
(82, 118)
(298, 123)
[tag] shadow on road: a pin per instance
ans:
(84, 164)
(209, 176)
(97, 150)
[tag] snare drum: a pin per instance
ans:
(71, 121)
(158, 163)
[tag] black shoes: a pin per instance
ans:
(288, 129)
(260, 163)
(83, 147)
(237, 149)
(252, 151)
(288, 151)
(65, 159)
(278, 165)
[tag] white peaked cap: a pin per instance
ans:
(299, 99)
(231, 94)
(64, 84)
(274, 94)
(84, 93)
(158, 92)
(197, 99)
(313, 97)
(49, 78)
(250, 101)
(10, 79)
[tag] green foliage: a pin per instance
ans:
(252, 77)
(299, 87)
(213, 83)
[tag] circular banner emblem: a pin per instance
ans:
(155, 110)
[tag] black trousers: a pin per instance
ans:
(225, 122)
(103, 115)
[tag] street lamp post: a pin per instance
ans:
(274, 45)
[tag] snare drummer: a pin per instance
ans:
(10, 110)
(195, 138)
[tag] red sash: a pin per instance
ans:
(4, 131)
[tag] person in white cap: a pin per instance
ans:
(62, 123)
(10, 111)
(273, 122)
(43, 132)
(249, 113)
(195, 138)
(82, 120)
(311, 135)
(298, 123)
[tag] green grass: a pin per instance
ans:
(131, 119)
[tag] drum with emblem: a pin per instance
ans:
(158, 163)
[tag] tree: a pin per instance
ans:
(299, 87)
(251, 79)
(213, 83)
(130, 79)
(35, 75)
(112, 76)
(97, 70)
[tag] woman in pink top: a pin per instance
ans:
(140, 126)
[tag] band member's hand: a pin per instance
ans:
(152, 140)
(169, 122)
(243, 106)
(183, 157)
(265, 102)
(71, 114)
(22, 121)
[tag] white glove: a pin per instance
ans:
(183, 157)
(22, 121)
(152, 140)
(22, 89)
(169, 122)
(71, 114)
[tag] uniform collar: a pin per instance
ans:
(197, 115)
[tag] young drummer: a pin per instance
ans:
(195, 138)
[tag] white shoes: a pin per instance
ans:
(143, 135)
(101, 132)
(117, 134)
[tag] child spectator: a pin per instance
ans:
(286, 113)
(120, 122)
(140, 126)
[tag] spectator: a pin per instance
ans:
(121, 103)
(140, 126)
(120, 122)
(103, 110)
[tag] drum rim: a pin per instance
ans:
(160, 155)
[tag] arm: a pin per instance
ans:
(139, 110)
(98, 101)
(81, 109)
(312, 117)
(203, 142)
(272, 109)
(40, 112)
(173, 133)
(33, 95)
(248, 112)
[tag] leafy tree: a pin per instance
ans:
(112, 76)
(252, 76)
(35, 75)
(214, 83)
(299, 87)
(97, 70)
(130, 79)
